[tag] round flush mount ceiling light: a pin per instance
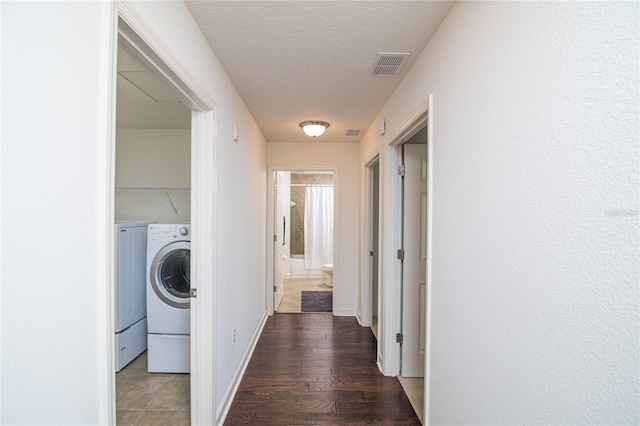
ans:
(314, 128)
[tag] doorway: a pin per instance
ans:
(414, 253)
(371, 281)
(414, 270)
(152, 186)
(160, 61)
(393, 319)
(302, 220)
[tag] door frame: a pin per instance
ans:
(277, 258)
(391, 219)
(409, 288)
(131, 32)
(270, 228)
(365, 308)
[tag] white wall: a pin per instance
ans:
(55, 185)
(241, 247)
(282, 156)
(534, 315)
(153, 158)
(54, 215)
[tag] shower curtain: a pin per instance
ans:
(318, 226)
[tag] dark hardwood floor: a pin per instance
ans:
(317, 369)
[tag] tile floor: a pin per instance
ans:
(144, 398)
(414, 388)
(293, 288)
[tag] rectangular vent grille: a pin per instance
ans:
(353, 132)
(389, 64)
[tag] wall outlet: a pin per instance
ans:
(233, 335)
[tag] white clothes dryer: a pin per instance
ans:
(130, 291)
(168, 297)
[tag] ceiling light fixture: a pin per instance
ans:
(314, 128)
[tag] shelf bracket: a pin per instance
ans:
(173, 206)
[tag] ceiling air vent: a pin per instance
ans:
(353, 132)
(388, 64)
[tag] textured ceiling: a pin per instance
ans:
(293, 61)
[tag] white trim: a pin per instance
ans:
(337, 310)
(344, 312)
(416, 121)
(203, 263)
(228, 397)
(428, 303)
(374, 159)
(365, 308)
(379, 360)
(106, 211)
(363, 314)
(270, 251)
(143, 43)
(389, 316)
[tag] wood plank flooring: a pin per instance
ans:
(317, 369)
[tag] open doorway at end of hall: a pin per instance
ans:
(303, 241)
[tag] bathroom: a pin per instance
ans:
(307, 230)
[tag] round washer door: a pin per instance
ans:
(171, 274)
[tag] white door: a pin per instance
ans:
(278, 249)
(414, 282)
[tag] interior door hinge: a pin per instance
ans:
(401, 169)
(193, 292)
(399, 338)
(275, 288)
(401, 255)
(371, 253)
(275, 237)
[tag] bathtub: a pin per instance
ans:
(297, 269)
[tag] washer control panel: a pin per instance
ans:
(169, 232)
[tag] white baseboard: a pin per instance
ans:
(344, 312)
(227, 399)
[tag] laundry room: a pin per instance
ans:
(153, 148)
(151, 247)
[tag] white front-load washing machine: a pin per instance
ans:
(168, 297)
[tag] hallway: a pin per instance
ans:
(317, 369)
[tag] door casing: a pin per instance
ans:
(130, 30)
(414, 263)
(365, 308)
(270, 227)
(390, 220)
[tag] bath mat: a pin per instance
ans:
(317, 301)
